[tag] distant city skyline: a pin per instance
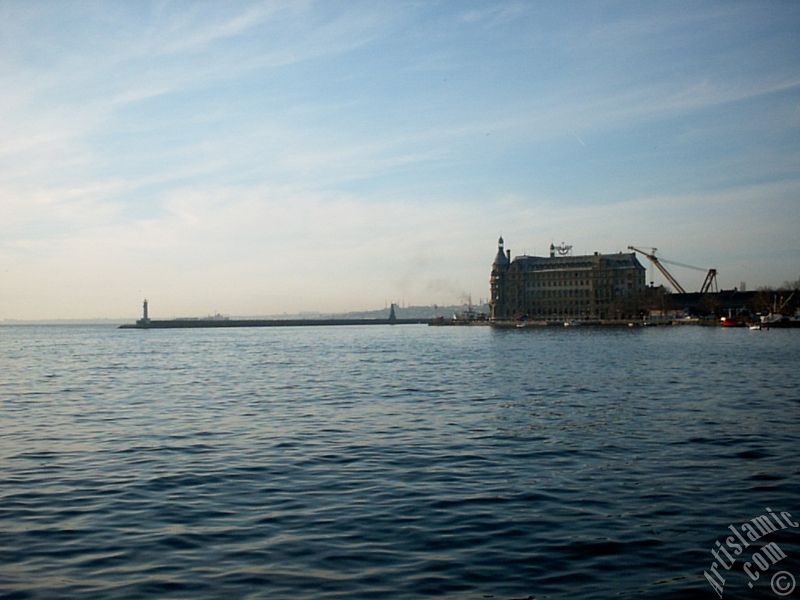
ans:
(258, 158)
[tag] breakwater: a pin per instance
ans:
(203, 323)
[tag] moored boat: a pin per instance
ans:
(779, 321)
(731, 322)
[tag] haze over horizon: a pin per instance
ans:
(269, 157)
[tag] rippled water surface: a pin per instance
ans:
(405, 461)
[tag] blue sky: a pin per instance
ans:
(267, 157)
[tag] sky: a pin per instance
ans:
(256, 158)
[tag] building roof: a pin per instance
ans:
(500, 260)
(588, 261)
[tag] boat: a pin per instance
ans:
(467, 317)
(779, 321)
(731, 322)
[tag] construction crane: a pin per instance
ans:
(709, 284)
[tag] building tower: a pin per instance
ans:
(497, 301)
(145, 317)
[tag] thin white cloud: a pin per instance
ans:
(495, 14)
(194, 37)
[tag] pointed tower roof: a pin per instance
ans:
(501, 260)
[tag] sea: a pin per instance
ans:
(398, 462)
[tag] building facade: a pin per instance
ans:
(595, 286)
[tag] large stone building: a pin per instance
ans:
(596, 286)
